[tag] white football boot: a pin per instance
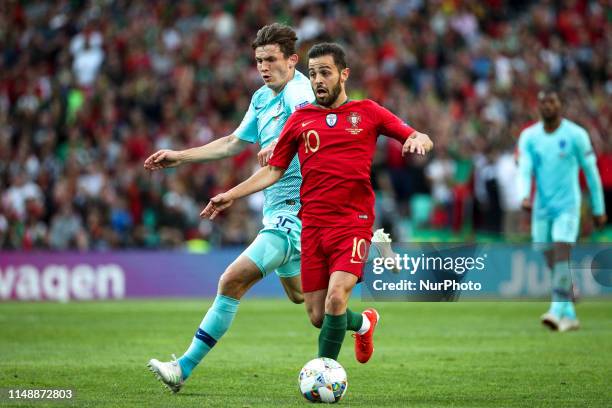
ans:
(382, 241)
(169, 373)
(551, 320)
(567, 324)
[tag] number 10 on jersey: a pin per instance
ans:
(311, 141)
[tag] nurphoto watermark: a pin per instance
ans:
(450, 272)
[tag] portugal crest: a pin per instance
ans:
(354, 119)
(331, 119)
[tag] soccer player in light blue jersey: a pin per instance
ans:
(552, 151)
(277, 246)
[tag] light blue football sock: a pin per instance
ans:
(216, 322)
(569, 311)
(561, 289)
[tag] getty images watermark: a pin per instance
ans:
(424, 263)
(448, 272)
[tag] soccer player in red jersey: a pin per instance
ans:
(335, 140)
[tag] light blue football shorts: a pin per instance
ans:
(562, 228)
(277, 246)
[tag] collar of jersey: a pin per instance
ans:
(327, 109)
(554, 131)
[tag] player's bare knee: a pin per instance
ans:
(232, 283)
(335, 302)
(230, 287)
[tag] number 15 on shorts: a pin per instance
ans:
(284, 223)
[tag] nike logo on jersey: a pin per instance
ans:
(307, 123)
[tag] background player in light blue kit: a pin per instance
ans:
(553, 150)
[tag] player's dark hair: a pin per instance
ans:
(550, 90)
(333, 49)
(279, 34)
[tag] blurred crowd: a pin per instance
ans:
(88, 89)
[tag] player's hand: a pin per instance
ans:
(216, 204)
(600, 220)
(264, 154)
(418, 143)
(526, 204)
(163, 159)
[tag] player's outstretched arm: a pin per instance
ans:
(392, 126)
(588, 163)
(591, 173)
(418, 143)
(219, 149)
(525, 167)
(263, 178)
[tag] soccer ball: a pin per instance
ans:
(323, 380)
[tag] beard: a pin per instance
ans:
(549, 115)
(329, 98)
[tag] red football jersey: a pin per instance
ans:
(335, 148)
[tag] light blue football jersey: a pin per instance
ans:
(554, 160)
(263, 124)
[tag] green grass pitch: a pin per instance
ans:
(427, 355)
